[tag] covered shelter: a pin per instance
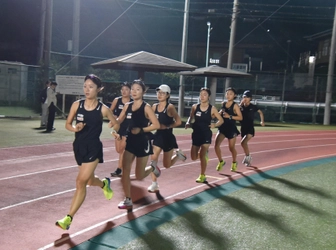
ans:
(214, 71)
(142, 62)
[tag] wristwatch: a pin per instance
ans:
(230, 117)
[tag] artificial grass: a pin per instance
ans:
(293, 211)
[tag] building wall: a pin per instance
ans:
(13, 82)
(323, 51)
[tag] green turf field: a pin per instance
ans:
(287, 208)
(22, 128)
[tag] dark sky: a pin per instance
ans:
(19, 29)
(270, 22)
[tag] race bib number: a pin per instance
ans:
(80, 117)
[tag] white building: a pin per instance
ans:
(13, 81)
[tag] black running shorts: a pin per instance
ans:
(88, 151)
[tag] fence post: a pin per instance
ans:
(283, 97)
(315, 100)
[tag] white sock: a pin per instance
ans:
(153, 163)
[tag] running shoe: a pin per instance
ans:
(201, 178)
(220, 165)
(153, 188)
(234, 166)
(244, 160)
(156, 171)
(64, 223)
(116, 173)
(125, 204)
(248, 160)
(181, 155)
(107, 189)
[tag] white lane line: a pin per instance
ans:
(175, 166)
(108, 149)
(37, 199)
(45, 171)
(259, 135)
(169, 197)
(46, 156)
(37, 172)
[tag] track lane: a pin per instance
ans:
(46, 196)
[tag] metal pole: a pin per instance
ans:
(75, 37)
(287, 61)
(315, 100)
(311, 70)
(207, 52)
(42, 31)
(183, 56)
(283, 97)
(284, 84)
(47, 40)
(232, 40)
(328, 98)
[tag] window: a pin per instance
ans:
(12, 71)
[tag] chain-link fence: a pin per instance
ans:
(282, 97)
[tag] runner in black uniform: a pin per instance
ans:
(87, 146)
(164, 139)
(247, 124)
(231, 113)
(116, 107)
(138, 145)
(202, 114)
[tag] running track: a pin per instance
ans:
(37, 184)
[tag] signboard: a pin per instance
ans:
(70, 85)
(240, 67)
(214, 61)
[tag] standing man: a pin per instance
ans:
(44, 105)
(52, 102)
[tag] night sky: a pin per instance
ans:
(155, 21)
(19, 29)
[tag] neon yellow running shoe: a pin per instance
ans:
(201, 178)
(220, 165)
(234, 166)
(64, 223)
(107, 189)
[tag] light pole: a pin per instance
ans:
(183, 56)
(207, 52)
(283, 96)
(311, 71)
(284, 84)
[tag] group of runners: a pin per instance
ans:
(132, 121)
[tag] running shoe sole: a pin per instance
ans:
(153, 191)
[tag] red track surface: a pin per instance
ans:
(37, 184)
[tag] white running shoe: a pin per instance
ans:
(125, 204)
(248, 160)
(153, 188)
(181, 155)
(244, 160)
